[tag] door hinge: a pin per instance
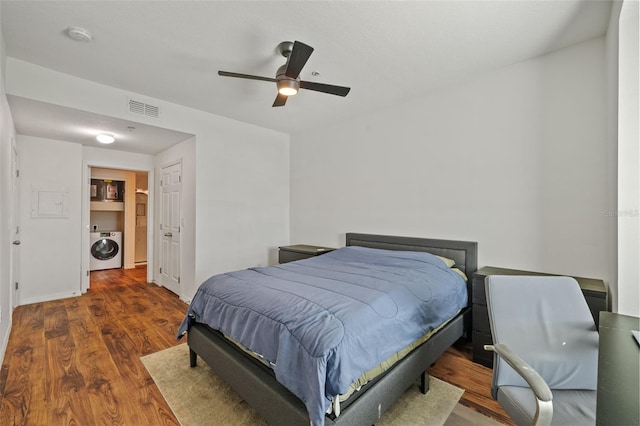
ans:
(160, 270)
(180, 178)
(87, 273)
(17, 173)
(17, 285)
(178, 280)
(17, 229)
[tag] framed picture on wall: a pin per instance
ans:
(112, 191)
(107, 190)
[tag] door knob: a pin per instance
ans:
(16, 242)
(168, 234)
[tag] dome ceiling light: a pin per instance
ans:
(105, 138)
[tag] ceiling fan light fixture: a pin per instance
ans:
(105, 138)
(287, 78)
(288, 87)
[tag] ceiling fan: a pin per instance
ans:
(288, 75)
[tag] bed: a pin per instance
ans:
(256, 382)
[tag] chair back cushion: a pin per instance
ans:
(547, 322)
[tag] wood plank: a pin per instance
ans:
(456, 367)
(23, 397)
(120, 330)
(56, 322)
(97, 369)
(23, 364)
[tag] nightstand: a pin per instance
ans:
(595, 293)
(300, 251)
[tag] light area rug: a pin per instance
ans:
(197, 396)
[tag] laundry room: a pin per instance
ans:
(118, 219)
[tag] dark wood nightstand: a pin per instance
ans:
(595, 293)
(300, 251)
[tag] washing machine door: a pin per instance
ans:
(104, 249)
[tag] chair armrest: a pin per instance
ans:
(540, 389)
(534, 380)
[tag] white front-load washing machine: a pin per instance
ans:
(106, 250)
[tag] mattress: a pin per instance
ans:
(323, 322)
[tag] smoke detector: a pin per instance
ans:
(79, 34)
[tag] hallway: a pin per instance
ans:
(109, 278)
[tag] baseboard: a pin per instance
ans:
(50, 297)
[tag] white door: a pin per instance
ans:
(170, 185)
(15, 225)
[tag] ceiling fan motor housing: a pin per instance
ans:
(285, 48)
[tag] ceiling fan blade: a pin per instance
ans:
(325, 88)
(297, 58)
(280, 100)
(247, 76)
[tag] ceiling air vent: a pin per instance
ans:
(138, 107)
(151, 111)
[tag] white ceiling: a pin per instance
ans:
(34, 118)
(388, 52)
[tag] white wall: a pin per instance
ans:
(515, 160)
(628, 211)
(7, 132)
(611, 67)
(183, 152)
(242, 171)
(52, 270)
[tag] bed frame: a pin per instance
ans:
(257, 384)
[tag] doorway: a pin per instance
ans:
(119, 210)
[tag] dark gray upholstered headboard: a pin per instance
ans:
(465, 253)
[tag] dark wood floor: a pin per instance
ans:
(77, 361)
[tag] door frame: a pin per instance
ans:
(86, 212)
(14, 225)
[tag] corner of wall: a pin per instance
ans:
(6, 134)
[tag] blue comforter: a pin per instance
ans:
(322, 322)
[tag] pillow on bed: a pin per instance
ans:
(447, 261)
(462, 274)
